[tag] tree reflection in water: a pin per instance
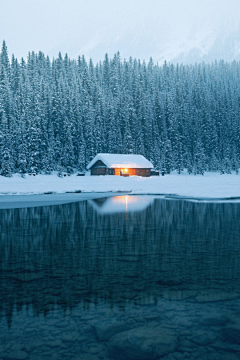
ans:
(86, 252)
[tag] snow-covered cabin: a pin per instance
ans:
(120, 164)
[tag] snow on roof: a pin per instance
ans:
(122, 161)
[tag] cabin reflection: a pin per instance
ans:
(121, 204)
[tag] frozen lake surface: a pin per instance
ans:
(25, 201)
(121, 278)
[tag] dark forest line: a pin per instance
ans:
(58, 114)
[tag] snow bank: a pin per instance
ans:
(211, 185)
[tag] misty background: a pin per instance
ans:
(184, 31)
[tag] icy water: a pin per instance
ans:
(121, 278)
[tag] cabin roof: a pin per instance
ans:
(119, 161)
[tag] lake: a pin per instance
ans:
(122, 278)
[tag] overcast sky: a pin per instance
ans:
(94, 27)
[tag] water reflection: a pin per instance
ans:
(121, 204)
(133, 278)
(82, 253)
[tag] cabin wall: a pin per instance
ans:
(117, 171)
(143, 172)
(98, 171)
(102, 170)
(137, 172)
(132, 172)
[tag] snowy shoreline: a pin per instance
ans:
(209, 186)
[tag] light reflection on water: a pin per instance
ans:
(121, 204)
(120, 278)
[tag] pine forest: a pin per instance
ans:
(56, 115)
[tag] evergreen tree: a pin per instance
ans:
(5, 147)
(127, 140)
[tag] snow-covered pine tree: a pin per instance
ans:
(5, 147)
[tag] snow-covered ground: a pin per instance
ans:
(211, 185)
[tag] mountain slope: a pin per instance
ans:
(206, 42)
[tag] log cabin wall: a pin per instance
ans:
(98, 171)
(143, 172)
(132, 172)
(117, 172)
(99, 168)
